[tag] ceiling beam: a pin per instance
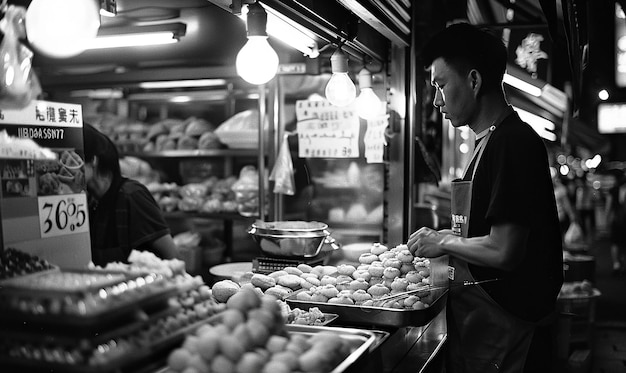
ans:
(132, 77)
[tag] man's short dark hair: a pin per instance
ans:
(465, 47)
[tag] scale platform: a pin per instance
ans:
(267, 265)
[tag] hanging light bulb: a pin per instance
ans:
(257, 61)
(368, 105)
(340, 90)
(62, 28)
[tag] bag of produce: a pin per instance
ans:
(282, 173)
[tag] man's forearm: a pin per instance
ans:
(476, 250)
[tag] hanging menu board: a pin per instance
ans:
(43, 203)
(327, 131)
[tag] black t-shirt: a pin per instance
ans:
(512, 184)
(127, 212)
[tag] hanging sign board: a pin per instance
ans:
(43, 203)
(327, 131)
(375, 139)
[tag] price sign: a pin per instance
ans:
(375, 139)
(327, 131)
(63, 214)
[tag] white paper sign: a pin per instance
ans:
(44, 113)
(63, 214)
(375, 139)
(327, 131)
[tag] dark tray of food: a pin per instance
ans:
(352, 314)
(15, 263)
(81, 298)
(121, 350)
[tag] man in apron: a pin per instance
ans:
(504, 246)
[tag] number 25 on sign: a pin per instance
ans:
(63, 215)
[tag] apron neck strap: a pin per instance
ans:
(484, 136)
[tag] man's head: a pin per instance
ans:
(465, 62)
(101, 161)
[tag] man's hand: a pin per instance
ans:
(426, 242)
(503, 248)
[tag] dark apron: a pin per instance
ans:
(482, 336)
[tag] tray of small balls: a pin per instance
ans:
(15, 263)
(251, 336)
(389, 288)
(86, 299)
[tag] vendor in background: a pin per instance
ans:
(565, 211)
(505, 228)
(615, 209)
(123, 215)
(585, 208)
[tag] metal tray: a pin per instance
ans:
(377, 316)
(360, 340)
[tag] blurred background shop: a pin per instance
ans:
(225, 129)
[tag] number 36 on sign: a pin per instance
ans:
(63, 215)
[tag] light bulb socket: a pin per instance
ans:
(339, 62)
(256, 20)
(365, 79)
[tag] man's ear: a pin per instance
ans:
(475, 80)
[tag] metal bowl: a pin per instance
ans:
(290, 239)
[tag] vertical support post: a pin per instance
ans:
(261, 155)
(278, 111)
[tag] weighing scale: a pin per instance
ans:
(267, 265)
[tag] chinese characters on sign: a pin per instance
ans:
(45, 113)
(529, 52)
(375, 139)
(43, 202)
(327, 131)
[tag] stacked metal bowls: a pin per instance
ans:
(290, 239)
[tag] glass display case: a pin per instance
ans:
(344, 192)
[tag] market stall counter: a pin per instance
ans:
(407, 349)
(322, 318)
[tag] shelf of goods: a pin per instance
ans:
(199, 187)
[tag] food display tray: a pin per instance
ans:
(360, 341)
(377, 316)
(29, 300)
(153, 352)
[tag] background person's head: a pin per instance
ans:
(466, 47)
(102, 165)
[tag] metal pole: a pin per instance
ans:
(261, 155)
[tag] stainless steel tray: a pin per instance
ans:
(360, 341)
(377, 316)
